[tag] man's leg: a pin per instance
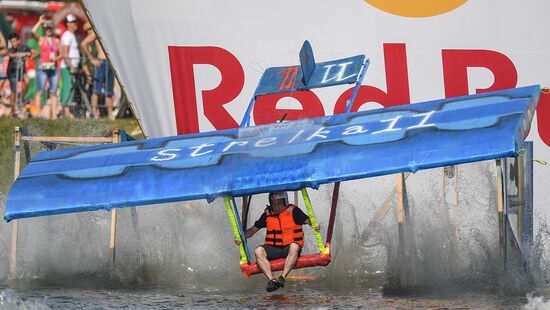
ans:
(13, 87)
(263, 263)
(109, 88)
(291, 259)
(95, 108)
(66, 94)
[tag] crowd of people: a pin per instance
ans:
(64, 69)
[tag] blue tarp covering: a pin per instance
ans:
(284, 156)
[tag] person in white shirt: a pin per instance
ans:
(69, 65)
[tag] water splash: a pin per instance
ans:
(10, 300)
(190, 244)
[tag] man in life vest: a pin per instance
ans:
(284, 237)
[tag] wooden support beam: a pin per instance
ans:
(456, 185)
(401, 214)
(22, 140)
(69, 139)
(519, 163)
(112, 242)
(443, 186)
(386, 206)
(500, 211)
(400, 198)
(14, 231)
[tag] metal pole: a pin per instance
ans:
(245, 208)
(236, 233)
(335, 194)
(313, 221)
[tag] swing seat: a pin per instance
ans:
(304, 261)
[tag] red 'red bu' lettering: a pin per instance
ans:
(543, 117)
(182, 59)
(266, 112)
(397, 83)
(455, 70)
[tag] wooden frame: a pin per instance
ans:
(22, 142)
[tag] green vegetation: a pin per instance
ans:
(59, 127)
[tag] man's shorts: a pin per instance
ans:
(104, 79)
(12, 78)
(276, 252)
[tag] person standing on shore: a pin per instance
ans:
(47, 68)
(69, 66)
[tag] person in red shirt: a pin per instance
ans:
(47, 68)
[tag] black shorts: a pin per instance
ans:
(276, 252)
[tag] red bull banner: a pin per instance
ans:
(193, 66)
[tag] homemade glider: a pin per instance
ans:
(287, 156)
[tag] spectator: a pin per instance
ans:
(47, 68)
(4, 110)
(104, 79)
(3, 45)
(69, 65)
(16, 68)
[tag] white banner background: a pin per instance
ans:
(260, 34)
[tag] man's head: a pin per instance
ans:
(71, 23)
(14, 40)
(278, 200)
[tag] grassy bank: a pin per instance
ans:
(60, 127)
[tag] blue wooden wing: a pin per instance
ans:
(282, 156)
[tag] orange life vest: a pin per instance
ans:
(281, 228)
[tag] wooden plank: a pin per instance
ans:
(112, 242)
(14, 231)
(443, 186)
(401, 214)
(520, 198)
(456, 185)
(500, 190)
(500, 210)
(400, 202)
(385, 207)
(69, 139)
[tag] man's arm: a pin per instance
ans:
(317, 227)
(248, 233)
(25, 53)
(84, 45)
(301, 218)
(3, 47)
(65, 44)
(251, 231)
(36, 26)
(65, 56)
(34, 53)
